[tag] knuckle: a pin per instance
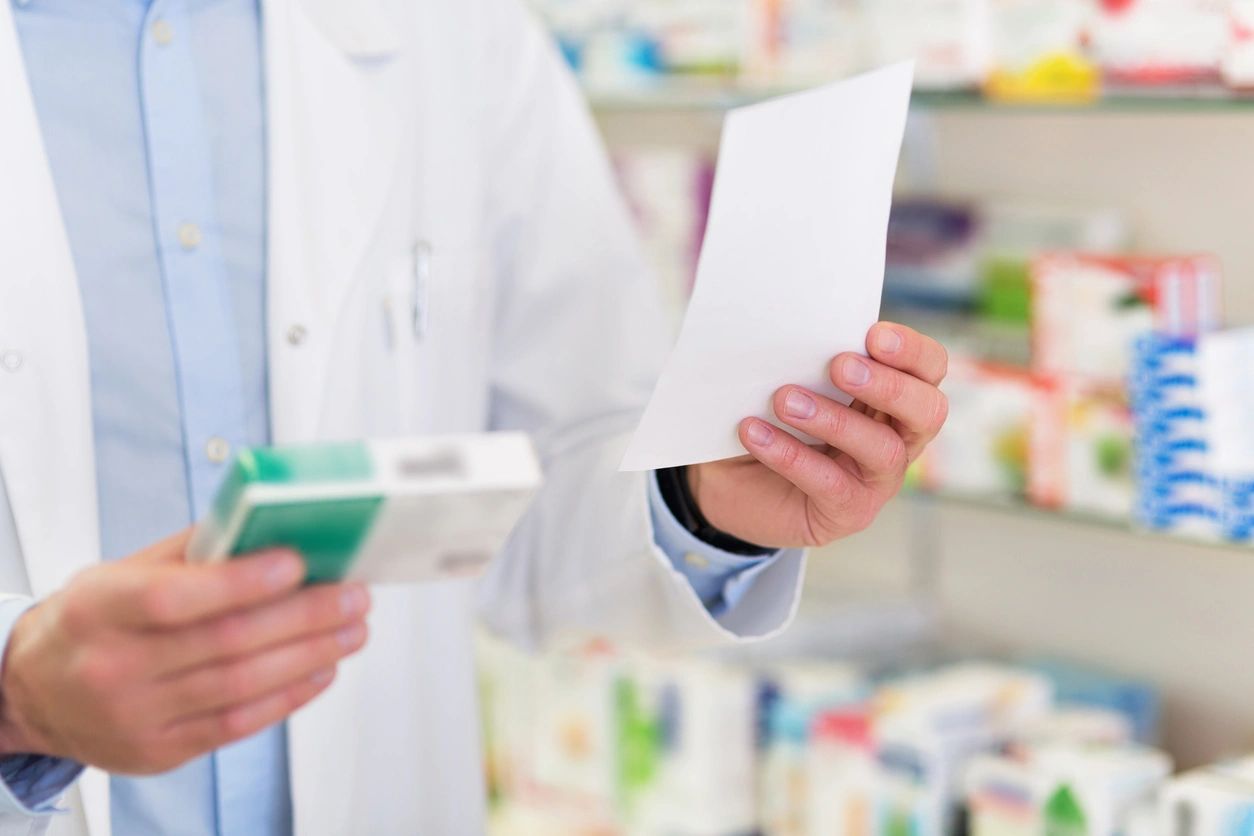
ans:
(896, 456)
(893, 387)
(231, 633)
(790, 455)
(156, 603)
(239, 682)
(837, 422)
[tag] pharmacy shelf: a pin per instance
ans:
(681, 96)
(1024, 510)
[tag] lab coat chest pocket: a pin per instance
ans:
(437, 311)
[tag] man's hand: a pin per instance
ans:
(140, 665)
(788, 494)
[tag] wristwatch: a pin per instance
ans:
(677, 493)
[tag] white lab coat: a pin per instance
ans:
(391, 122)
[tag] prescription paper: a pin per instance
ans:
(792, 269)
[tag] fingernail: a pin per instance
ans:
(353, 601)
(322, 677)
(889, 341)
(351, 637)
(282, 570)
(800, 405)
(856, 372)
(760, 435)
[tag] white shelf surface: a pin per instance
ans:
(716, 95)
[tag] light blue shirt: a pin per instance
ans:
(153, 116)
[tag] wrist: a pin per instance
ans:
(16, 734)
(679, 487)
(12, 739)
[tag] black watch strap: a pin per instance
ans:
(676, 492)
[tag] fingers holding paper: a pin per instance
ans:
(879, 451)
(908, 351)
(793, 494)
(900, 386)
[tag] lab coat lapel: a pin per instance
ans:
(45, 410)
(45, 422)
(335, 133)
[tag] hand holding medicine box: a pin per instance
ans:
(398, 511)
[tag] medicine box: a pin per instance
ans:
(407, 510)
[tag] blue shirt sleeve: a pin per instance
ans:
(30, 784)
(719, 578)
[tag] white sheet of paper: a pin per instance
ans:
(792, 269)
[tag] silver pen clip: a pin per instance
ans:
(422, 256)
(389, 323)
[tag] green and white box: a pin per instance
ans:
(396, 511)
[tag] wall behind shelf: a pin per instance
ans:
(1185, 178)
(1178, 615)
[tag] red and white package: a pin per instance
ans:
(1238, 68)
(1087, 310)
(1160, 42)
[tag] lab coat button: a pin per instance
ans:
(11, 360)
(189, 236)
(297, 334)
(162, 33)
(218, 450)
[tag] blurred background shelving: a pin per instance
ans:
(1066, 121)
(719, 96)
(1184, 179)
(1020, 509)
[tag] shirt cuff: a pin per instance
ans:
(721, 579)
(30, 784)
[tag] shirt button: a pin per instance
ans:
(696, 561)
(189, 236)
(218, 450)
(297, 334)
(11, 360)
(162, 33)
